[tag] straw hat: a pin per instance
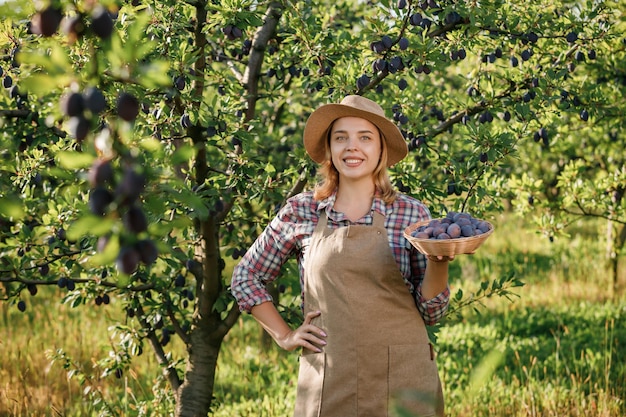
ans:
(319, 122)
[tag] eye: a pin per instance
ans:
(366, 138)
(339, 138)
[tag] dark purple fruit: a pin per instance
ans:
(46, 22)
(131, 186)
(32, 289)
(454, 230)
(127, 107)
(101, 22)
(44, 270)
(101, 172)
(78, 127)
(148, 251)
(94, 100)
(99, 200)
(72, 104)
(180, 82)
(584, 115)
(467, 230)
(185, 121)
(14, 92)
(127, 260)
(387, 41)
(135, 220)
(403, 44)
(232, 32)
(179, 281)
(415, 19)
(572, 37)
(21, 305)
(362, 82)
(7, 81)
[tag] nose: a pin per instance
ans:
(352, 143)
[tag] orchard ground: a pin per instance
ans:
(553, 350)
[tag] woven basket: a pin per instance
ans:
(445, 247)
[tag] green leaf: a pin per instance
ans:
(270, 169)
(194, 202)
(155, 74)
(108, 255)
(182, 154)
(89, 225)
(74, 160)
(42, 84)
(11, 208)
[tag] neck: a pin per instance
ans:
(355, 199)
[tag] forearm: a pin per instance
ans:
(270, 319)
(435, 279)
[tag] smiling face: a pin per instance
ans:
(355, 147)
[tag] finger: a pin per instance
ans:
(311, 315)
(312, 341)
(311, 338)
(314, 330)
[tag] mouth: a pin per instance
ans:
(352, 162)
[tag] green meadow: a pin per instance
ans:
(554, 348)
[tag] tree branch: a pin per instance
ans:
(23, 114)
(168, 369)
(257, 52)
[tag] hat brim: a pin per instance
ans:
(319, 122)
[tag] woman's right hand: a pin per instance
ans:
(307, 335)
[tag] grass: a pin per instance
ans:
(556, 350)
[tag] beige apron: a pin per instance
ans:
(378, 355)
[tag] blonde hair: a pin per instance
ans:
(330, 176)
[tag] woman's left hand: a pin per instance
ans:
(440, 258)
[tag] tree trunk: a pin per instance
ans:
(618, 247)
(196, 393)
(209, 327)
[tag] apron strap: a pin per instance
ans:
(321, 224)
(379, 219)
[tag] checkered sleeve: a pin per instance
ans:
(434, 309)
(264, 259)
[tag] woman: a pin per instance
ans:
(367, 294)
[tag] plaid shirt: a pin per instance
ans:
(289, 234)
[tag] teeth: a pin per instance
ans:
(352, 161)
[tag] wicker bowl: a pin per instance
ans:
(445, 247)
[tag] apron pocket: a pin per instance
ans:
(414, 383)
(310, 385)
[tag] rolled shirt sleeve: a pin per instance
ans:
(262, 263)
(434, 309)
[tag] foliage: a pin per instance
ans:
(144, 143)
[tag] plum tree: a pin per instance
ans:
(207, 158)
